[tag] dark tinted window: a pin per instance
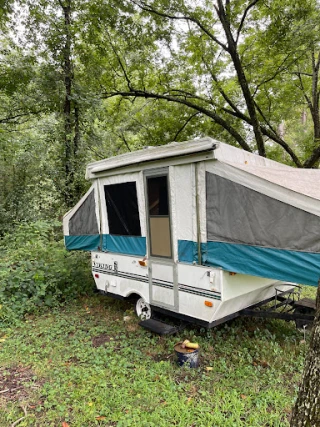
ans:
(122, 208)
(158, 195)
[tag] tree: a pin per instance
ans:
(23, 150)
(311, 96)
(5, 9)
(215, 58)
(51, 31)
(306, 412)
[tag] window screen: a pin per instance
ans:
(159, 220)
(238, 214)
(84, 221)
(122, 208)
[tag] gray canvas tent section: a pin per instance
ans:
(236, 214)
(263, 219)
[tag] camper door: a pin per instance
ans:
(162, 268)
(122, 212)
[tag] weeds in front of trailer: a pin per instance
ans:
(84, 365)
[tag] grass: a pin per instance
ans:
(82, 365)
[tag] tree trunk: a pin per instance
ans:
(67, 68)
(313, 105)
(233, 51)
(306, 412)
(77, 190)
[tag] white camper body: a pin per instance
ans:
(197, 229)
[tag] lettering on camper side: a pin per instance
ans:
(106, 267)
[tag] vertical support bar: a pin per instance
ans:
(98, 184)
(198, 213)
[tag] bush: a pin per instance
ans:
(37, 272)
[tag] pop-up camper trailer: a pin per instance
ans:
(199, 229)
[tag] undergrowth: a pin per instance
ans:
(90, 364)
(36, 271)
(75, 360)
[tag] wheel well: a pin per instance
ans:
(133, 297)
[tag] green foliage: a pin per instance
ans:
(36, 272)
(28, 174)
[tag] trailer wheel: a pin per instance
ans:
(143, 309)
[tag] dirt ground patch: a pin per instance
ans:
(100, 340)
(17, 383)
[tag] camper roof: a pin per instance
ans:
(190, 149)
(234, 161)
(151, 154)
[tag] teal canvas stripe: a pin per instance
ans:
(84, 243)
(187, 251)
(280, 264)
(130, 245)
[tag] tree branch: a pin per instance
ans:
(299, 73)
(147, 8)
(242, 79)
(184, 125)
(9, 119)
(279, 70)
(308, 100)
(250, 6)
(270, 133)
(189, 95)
(215, 117)
(123, 138)
(120, 62)
(222, 92)
(313, 159)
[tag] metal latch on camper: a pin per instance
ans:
(214, 280)
(211, 275)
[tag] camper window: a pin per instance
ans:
(159, 220)
(122, 209)
(84, 220)
(158, 196)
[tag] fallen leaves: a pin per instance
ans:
(262, 363)
(2, 339)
